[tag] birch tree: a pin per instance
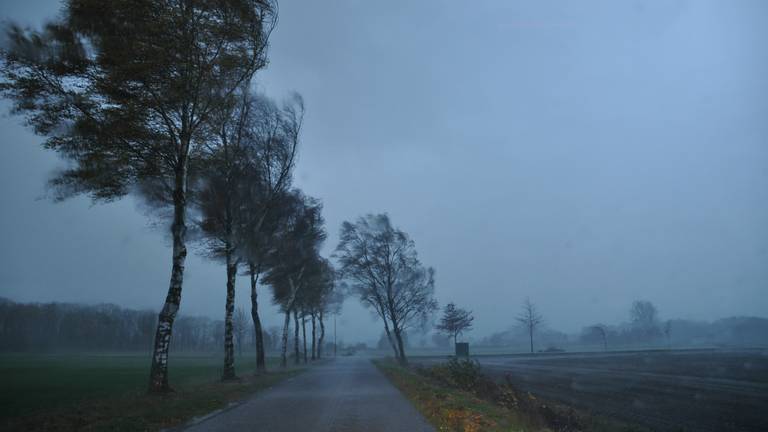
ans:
(294, 258)
(274, 137)
(249, 159)
(122, 89)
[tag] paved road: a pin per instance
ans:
(347, 394)
(701, 391)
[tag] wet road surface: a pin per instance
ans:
(346, 394)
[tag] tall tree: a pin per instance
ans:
(381, 264)
(455, 321)
(274, 136)
(294, 258)
(249, 161)
(530, 319)
(224, 177)
(318, 297)
(122, 89)
(331, 306)
(330, 301)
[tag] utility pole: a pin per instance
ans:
(334, 335)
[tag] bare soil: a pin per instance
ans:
(676, 390)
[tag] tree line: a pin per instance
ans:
(58, 326)
(155, 99)
(61, 327)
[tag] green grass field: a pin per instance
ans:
(42, 390)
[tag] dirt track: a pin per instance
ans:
(709, 390)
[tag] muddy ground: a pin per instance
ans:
(676, 390)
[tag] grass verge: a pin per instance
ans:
(104, 392)
(450, 409)
(452, 399)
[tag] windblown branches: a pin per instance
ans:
(126, 91)
(121, 95)
(381, 264)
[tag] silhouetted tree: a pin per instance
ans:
(317, 297)
(644, 319)
(295, 257)
(122, 89)
(455, 321)
(381, 264)
(600, 331)
(530, 319)
(274, 136)
(332, 300)
(249, 162)
(224, 183)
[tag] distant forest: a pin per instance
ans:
(678, 333)
(50, 327)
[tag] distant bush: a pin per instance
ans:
(465, 374)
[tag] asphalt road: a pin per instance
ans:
(663, 390)
(344, 395)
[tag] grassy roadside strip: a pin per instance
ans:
(137, 411)
(450, 408)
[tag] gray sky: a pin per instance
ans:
(584, 154)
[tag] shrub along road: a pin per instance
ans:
(346, 394)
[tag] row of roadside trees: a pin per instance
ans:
(155, 98)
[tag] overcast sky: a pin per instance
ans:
(584, 154)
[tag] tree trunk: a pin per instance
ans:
(296, 337)
(261, 365)
(530, 331)
(229, 349)
(304, 334)
(391, 340)
(158, 374)
(400, 347)
(390, 306)
(389, 334)
(284, 351)
(314, 338)
(320, 340)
